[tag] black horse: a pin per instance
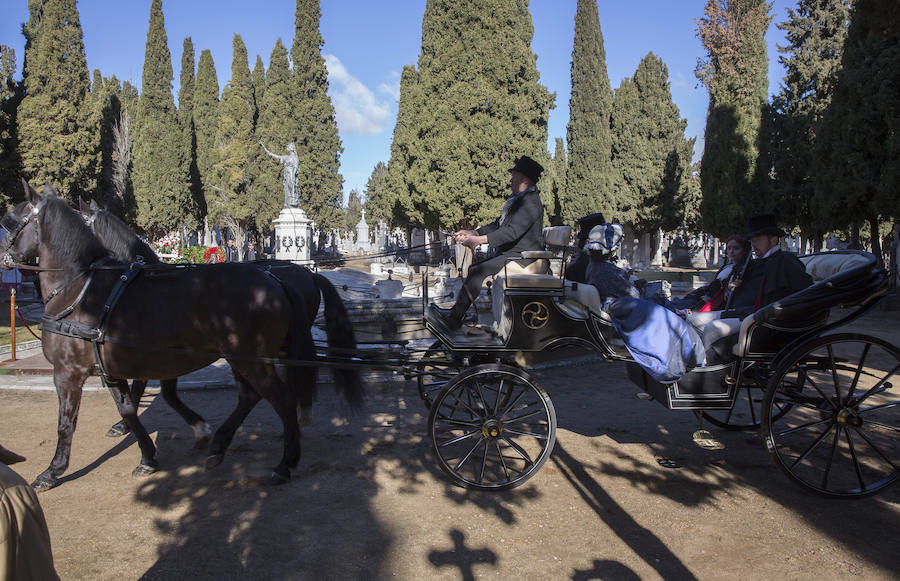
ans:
(126, 246)
(167, 322)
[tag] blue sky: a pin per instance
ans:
(367, 43)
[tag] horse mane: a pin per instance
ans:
(75, 244)
(120, 240)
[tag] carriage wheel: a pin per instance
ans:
(841, 435)
(434, 372)
(746, 413)
(492, 427)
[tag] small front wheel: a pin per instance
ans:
(492, 427)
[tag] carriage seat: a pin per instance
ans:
(538, 273)
(840, 278)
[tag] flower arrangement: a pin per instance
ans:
(170, 246)
(214, 254)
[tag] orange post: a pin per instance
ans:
(12, 324)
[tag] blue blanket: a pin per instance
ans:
(659, 340)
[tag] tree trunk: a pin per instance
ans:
(854, 237)
(876, 240)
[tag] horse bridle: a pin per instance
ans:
(15, 226)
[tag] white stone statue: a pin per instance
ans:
(291, 166)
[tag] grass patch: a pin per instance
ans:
(22, 334)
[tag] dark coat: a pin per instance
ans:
(520, 227)
(767, 280)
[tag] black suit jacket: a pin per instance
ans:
(520, 228)
(767, 280)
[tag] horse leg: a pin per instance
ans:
(69, 384)
(285, 404)
(118, 388)
(247, 400)
(120, 428)
(202, 431)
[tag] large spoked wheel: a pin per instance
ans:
(746, 413)
(841, 434)
(436, 368)
(492, 427)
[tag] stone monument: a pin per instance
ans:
(293, 230)
(362, 234)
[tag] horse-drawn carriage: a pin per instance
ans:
(826, 403)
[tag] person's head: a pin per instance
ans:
(230, 242)
(524, 174)
(585, 225)
(764, 234)
(737, 248)
(251, 244)
(603, 240)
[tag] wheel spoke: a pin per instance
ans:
(511, 404)
(523, 416)
(787, 431)
(459, 438)
(812, 446)
(834, 375)
(520, 450)
(502, 461)
(856, 466)
(819, 390)
(468, 454)
(834, 443)
(526, 434)
(461, 423)
(499, 396)
(752, 407)
(877, 387)
(881, 426)
(872, 445)
(859, 369)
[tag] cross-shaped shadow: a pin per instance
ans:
(462, 556)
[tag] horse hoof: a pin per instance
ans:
(118, 430)
(43, 483)
(143, 470)
(275, 479)
(214, 460)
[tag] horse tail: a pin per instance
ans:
(341, 342)
(300, 346)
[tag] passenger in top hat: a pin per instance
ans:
(519, 228)
(772, 275)
(24, 539)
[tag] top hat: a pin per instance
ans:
(764, 224)
(9, 457)
(585, 223)
(528, 167)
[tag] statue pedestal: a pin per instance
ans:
(293, 236)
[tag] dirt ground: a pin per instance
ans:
(625, 495)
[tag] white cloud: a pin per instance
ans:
(392, 88)
(356, 108)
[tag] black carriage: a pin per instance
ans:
(826, 403)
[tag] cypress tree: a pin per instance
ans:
(353, 212)
(588, 181)
(57, 131)
(160, 173)
(275, 129)
(10, 97)
(378, 205)
(553, 200)
(815, 32)
(858, 152)
(236, 148)
(735, 75)
(186, 121)
(206, 122)
(259, 87)
(105, 94)
(650, 156)
(481, 107)
(405, 147)
(316, 135)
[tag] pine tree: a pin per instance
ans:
(378, 204)
(160, 173)
(815, 32)
(58, 140)
(858, 153)
(735, 75)
(236, 148)
(650, 156)
(274, 128)
(206, 122)
(588, 181)
(316, 135)
(353, 212)
(481, 107)
(189, 137)
(553, 199)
